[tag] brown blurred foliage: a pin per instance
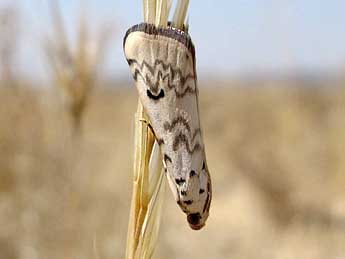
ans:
(9, 33)
(276, 155)
(75, 68)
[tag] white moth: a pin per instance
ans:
(162, 62)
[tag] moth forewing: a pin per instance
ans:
(162, 62)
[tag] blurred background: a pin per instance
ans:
(272, 96)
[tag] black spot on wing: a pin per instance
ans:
(189, 202)
(201, 191)
(184, 193)
(181, 89)
(180, 181)
(155, 97)
(203, 165)
(192, 173)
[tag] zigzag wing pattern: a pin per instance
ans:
(174, 78)
(178, 123)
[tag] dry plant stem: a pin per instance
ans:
(180, 13)
(149, 11)
(151, 224)
(161, 13)
(147, 185)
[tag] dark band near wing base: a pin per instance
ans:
(169, 32)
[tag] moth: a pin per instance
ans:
(162, 62)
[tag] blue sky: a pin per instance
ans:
(231, 37)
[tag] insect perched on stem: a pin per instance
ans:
(162, 62)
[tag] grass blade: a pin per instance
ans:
(180, 13)
(147, 191)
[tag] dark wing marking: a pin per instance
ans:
(167, 159)
(180, 181)
(160, 142)
(172, 74)
(207, 203)
(178, 120)
(208, 199)
(182, 139)
(155, 97)
(155, 85)
(181, 120)
(189, 202)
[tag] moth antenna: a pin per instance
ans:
(180, 13)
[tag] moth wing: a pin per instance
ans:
(164, 71)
